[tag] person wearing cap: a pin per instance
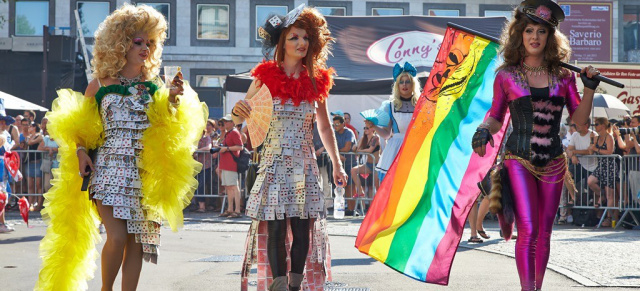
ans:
(227, 167)
(286, 193)
(400, 106)
(533, 86)
(347, 123)
(6, 143)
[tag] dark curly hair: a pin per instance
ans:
(513, 50)
(320, 41)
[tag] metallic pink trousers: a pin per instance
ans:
(535, 206)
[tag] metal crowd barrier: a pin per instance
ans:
(630, 200)
(357, 199)
(35, 179)
(599, 172)
(626, 192)
(211, 188)
(209, 184)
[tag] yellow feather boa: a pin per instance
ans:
(168, 179)
(68, 248)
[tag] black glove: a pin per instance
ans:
(591, 83)
(481, 137)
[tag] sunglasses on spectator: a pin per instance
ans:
(366, 128)
(405, 82)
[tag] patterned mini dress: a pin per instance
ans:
(116, 181)
(287, 184)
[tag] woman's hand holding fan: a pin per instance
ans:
(261, 106)
(241, 109)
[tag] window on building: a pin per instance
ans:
(631, 33)
(264, 11)
(494, 13)
(213, 21)
(444, 12)
(387, 11)
(215, 81)
(30, 17)
(333, 11)
(91, 15)
(164, 9)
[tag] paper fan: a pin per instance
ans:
(377, 116)
(261, 111)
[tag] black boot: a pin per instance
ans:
(295, 281)
(279, 284)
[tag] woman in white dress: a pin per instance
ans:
(405, 93)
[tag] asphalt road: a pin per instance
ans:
(206, 255)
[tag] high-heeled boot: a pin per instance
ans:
(279, 284)
(295, 281)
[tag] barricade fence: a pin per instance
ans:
(616, 178)
(358, 194)
(605, 186)
(630, 200)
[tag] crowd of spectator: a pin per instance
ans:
(598, 179)
(35, 166)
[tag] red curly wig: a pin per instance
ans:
(320, 41)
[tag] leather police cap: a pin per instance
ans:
(542, 11)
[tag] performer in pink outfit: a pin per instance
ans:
(534, 88)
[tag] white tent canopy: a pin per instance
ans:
(15, 103)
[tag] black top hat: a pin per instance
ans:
(542, 11)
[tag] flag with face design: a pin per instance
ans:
(417, 217)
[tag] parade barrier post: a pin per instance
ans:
(630, 198)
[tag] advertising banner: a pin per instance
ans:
(368, 47)
(589, 28)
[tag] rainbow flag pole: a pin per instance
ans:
(417, 217)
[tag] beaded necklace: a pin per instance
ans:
(124, 81)
(534, 70)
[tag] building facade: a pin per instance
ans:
(210, 39)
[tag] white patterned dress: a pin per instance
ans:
(287, 184)
(116, 181)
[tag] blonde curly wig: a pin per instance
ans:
(114, 38)
(395, 90)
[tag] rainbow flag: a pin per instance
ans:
(417, 217)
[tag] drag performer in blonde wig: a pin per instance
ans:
(400, 106)
(143, 136)
(286, 201)
(534, 88)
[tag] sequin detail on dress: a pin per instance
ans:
(116, 181)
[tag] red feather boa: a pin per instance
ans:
(301, 89)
